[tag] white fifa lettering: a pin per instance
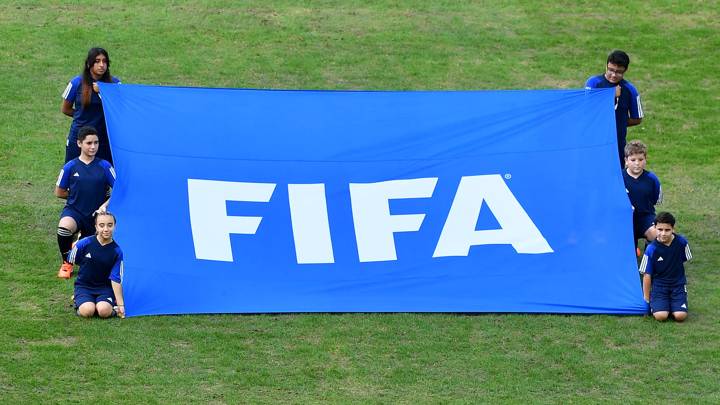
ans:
(310, 224)
(211, 226)
(374, 225)
(516, 227)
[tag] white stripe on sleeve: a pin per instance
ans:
(640, 111)
(62, 171)
(67, 90)
(643, 264)
(688, 254)
(73, 253)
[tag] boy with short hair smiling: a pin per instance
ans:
(664, 283)
(644, 191)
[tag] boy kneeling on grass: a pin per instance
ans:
(664, 283)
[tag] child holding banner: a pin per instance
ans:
(664, 283)
(85, 182)
(644, 191)
(100, 259)
(628, 110)
(81, 101)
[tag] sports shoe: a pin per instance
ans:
(66, 270)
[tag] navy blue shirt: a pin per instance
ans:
(91, 115)
(628, 104)
(644, 192)
(665, 263)
(98, 263)
(87, 184)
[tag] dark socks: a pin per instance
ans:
(65, 240)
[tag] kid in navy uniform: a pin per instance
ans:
(101, 260)
(628, 110)
(85, 182)
(664, 283)
(644, 191)
(81, 101)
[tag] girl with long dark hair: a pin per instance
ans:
(81, 101)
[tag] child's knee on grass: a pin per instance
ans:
(679, 316)
(86, 310)
(661, 315)
(104, 309)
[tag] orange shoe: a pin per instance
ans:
(66, 270)
(638, 252)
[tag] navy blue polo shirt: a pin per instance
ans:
(628, 104)
(91, 114)
(87, 184)
(665, 263)
(644, 192)
(98, 263)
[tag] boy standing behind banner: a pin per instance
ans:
(628, 110)
(644, 191)
(664, 283)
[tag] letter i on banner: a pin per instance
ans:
(310, 223)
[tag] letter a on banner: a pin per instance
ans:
(516, 227)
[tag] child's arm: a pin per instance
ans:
(61, 193)
(117, 289)
(657, 191)
(102, 208)
(62, 184)
(647, 283)
(116, 275)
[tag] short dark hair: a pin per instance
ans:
(665, 218)
(620, 58)
(85, 131)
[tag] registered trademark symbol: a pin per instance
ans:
(508, 176)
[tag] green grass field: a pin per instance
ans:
(49, 355)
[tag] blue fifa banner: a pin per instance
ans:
(264, 201)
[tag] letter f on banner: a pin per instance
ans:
(211, 226)
(516, 227)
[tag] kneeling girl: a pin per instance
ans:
(101, 263)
